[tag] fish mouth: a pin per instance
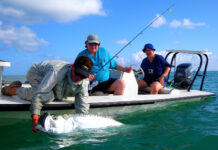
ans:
(48, 121)
(42, 119)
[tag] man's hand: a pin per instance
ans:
(91, 77)
(128, 69)
(35, 119)
(161, 79)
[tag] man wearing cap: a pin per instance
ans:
(51, 80)
(155, 67)
(100, 56)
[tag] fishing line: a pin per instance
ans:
(168, 9)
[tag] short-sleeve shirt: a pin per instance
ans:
(101, 57)
(154, 69)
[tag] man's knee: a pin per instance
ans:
(120, 83)
(142, 84)
(118, 87)
(155, 87)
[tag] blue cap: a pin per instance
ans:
(148, 46)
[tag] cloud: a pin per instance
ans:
(37, 11)
(175, 24)
(186, 23)
(159, 22)
(213, 59)
(47, 56)
(22, 38)
(190, 25)
(122, 42)
(136, 58)
(51, 57)
(121, 60)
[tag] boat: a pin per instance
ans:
(14, 107)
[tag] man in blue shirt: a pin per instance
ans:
(100, 56)
(155, 67)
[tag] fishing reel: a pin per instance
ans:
(138, 72)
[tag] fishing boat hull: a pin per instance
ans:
(15, 107)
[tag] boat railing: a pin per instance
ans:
(197, 73)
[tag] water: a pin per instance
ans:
(184, 125)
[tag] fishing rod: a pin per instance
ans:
(169, 8)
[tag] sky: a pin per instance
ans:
(32, 31)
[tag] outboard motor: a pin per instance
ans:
(183, 76)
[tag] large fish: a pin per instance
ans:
(68, 123)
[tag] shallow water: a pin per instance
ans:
(184, 125)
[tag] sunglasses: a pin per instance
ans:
(93, 44)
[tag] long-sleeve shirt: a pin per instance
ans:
(56, 83)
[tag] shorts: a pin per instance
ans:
(103, 86)
(150, 82)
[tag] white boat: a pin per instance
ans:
(14, 107)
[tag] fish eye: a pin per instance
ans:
(54, 117)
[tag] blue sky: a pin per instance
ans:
(35, 30)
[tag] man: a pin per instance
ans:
(51, 80)
(100, 56)
(155, 67)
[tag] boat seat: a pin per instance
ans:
(100, 93)
(148, 89)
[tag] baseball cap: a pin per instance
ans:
(93, 39)
(82, 66)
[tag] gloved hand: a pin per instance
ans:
(35, 119)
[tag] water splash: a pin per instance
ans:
(69, 123)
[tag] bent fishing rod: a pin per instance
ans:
(154, 20)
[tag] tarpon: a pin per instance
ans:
(68, 123)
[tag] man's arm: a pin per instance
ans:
(165, 73)
(80, 104)
(44, 92)
(124, 69)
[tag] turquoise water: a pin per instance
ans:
(184, 125)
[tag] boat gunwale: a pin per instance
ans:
(70, 104)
